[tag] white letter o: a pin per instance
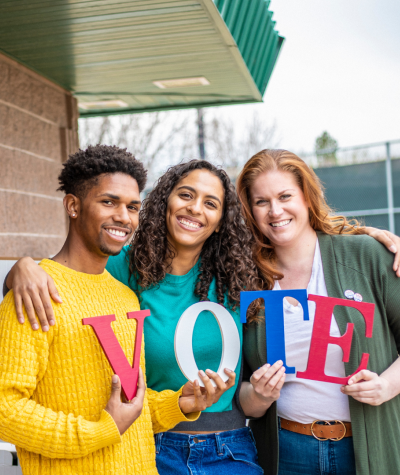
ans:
(184, 340)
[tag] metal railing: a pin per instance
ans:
(353, 174)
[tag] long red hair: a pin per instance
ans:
(321, 215)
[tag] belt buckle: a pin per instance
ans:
(328, 423)
(344, 432)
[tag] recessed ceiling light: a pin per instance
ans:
(112, 104)
(181, 82)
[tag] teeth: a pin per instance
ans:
(116, 232)
(189, 224)
(282, 223)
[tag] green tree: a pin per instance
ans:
(328, 143)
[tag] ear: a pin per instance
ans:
(72, 205)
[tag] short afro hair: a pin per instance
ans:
(82, 169)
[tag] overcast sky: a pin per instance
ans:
(338, 70)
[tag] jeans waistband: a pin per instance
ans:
(218, 438)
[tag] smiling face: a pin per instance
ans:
(279, 207)
(194, 210)
(109, 214)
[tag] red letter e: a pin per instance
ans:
(321, 337)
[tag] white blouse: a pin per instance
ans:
(304, 400)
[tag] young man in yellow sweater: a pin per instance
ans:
(55, 402)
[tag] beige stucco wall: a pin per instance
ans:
(38, 129)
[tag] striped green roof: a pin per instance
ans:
(109, 53)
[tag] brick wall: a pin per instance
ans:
(38, 130)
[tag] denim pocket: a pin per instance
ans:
(243, 450)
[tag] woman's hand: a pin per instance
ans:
(264, 389)
(267, 382)
(33, 288)
(369, 388)
(194, 398)
(390, 240)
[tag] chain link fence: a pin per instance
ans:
(362, 182)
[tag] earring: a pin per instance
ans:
(73, 215)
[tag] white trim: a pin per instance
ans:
(42, 157)
(7, 447)
(33, 235)
(28, 193)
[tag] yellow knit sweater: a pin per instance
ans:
(54, 386)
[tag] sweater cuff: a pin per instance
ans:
(103, 433)
(171, 406)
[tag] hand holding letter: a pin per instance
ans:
(125, 413)
(195, 398)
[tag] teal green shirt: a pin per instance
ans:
(166, 302)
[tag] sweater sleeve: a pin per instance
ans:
(165, 411)
(24, 422)
(391, 295)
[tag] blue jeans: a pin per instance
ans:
(224, 453)
(303, 454)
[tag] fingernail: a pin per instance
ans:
(228, 370)
(202, 373)
(52, 323)
(114, 378)
(45, 328)
(393, 248)
(267, 366)
(280, 362)
(350, 381)
(208, 371)
(195, 383)
(282, 369)
(35, 327)
(21, 320)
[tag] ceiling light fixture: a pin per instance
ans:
(111, 104)
(181, 82)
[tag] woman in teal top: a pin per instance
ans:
(191, 246)
(167, 302)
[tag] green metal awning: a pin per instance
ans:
(115, 54)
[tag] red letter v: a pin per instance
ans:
(113, 351)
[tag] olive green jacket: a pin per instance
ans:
(360, 264)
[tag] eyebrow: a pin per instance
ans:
(115, 197)
(194, 191)
(280, 193)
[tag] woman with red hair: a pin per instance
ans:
(302, 425)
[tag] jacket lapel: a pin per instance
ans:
(336, 288)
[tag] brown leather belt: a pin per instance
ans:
(329, 430)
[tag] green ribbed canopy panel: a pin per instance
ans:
(112, 51)
(251, 25)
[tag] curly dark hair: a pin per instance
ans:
(82, 169)
(226, 255)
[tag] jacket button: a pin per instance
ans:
(195, 440)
